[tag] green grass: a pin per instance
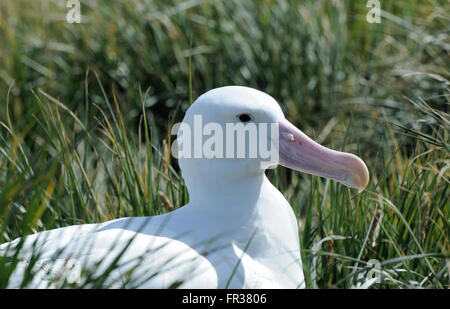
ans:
(85, 110)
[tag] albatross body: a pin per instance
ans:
(238, 231)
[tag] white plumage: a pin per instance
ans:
(237, 231)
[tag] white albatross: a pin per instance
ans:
(238, 231)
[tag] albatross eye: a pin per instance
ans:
(245, 117)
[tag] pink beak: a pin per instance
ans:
(298, 152)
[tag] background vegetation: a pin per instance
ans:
(85, 110)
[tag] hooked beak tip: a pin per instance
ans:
(359, 173)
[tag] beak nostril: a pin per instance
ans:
(288, 136)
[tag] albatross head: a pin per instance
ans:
(215, 115)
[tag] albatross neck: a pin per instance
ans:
(235, 198)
